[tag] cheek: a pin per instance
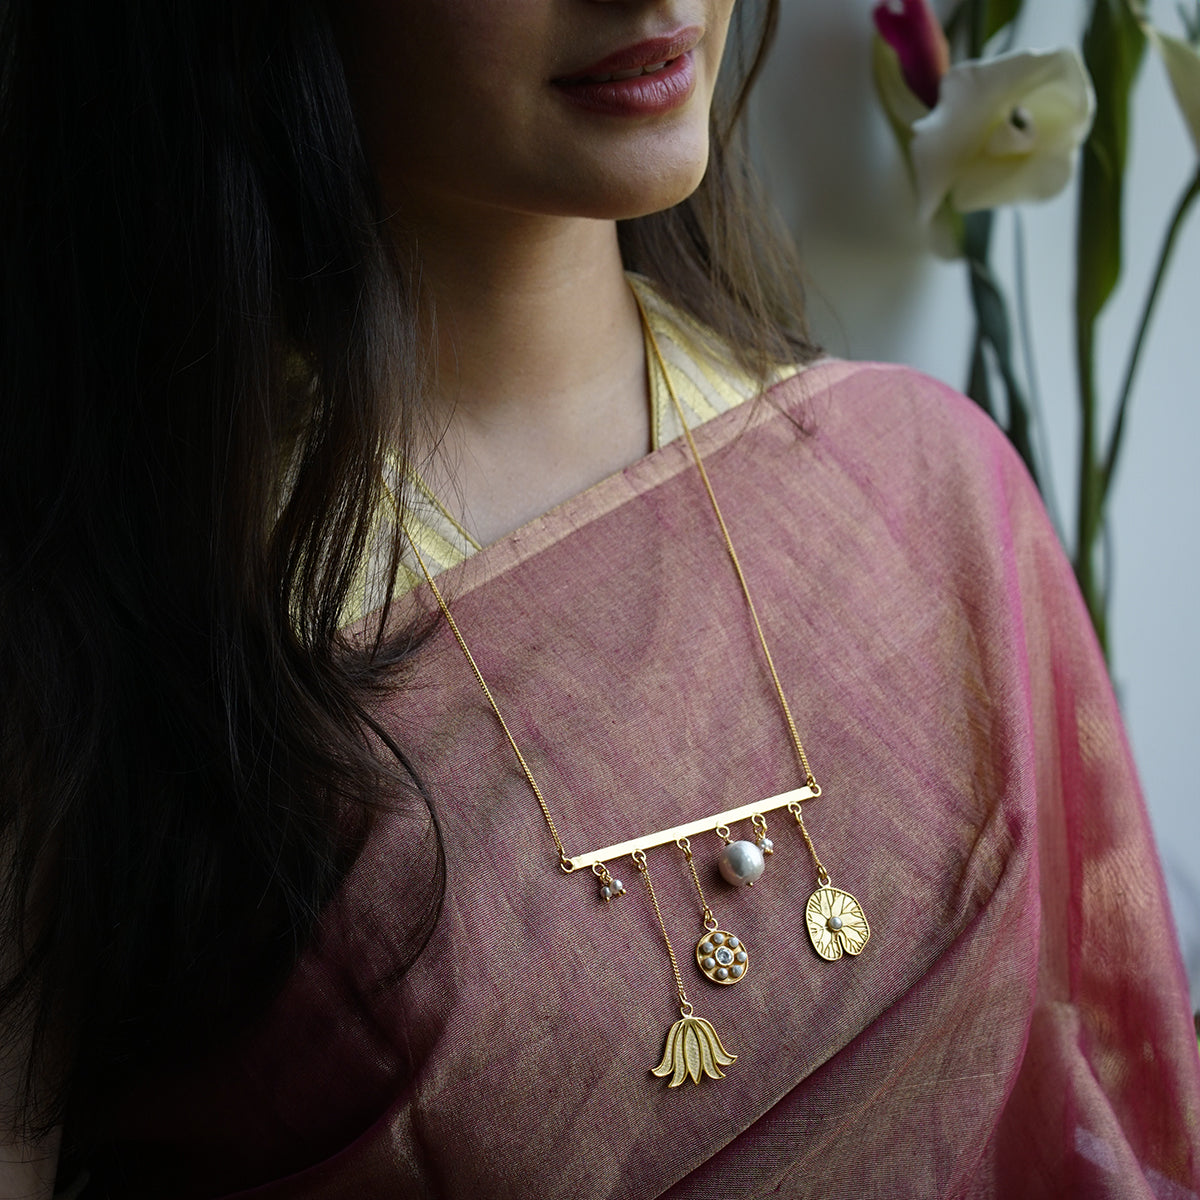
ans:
(720, 14)
(454, 99)
(439, 74)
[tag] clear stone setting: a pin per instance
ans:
(721, 957)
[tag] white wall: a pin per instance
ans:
(875, 292)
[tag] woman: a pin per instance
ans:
(304, 307)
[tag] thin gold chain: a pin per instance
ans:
(809, 779)
(564, 860)
(639, 860)
(686, 846)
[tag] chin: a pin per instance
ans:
(674, 191)
(645, 184)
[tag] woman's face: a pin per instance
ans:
(528, 105)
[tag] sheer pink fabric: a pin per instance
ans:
(1017, 1025)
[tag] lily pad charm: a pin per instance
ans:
(836, 923)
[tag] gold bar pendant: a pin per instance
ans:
(705, 825)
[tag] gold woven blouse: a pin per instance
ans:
(707, 381)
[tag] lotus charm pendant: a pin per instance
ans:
(693, 1049)
(836, 923)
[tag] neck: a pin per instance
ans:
(540, 382)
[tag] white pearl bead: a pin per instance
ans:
(741, 862)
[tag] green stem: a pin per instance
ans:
(1090, 494)
(1024, 328)
(993, 329)
(1018, 422)
(1190, 193)
(1029, 355)
(978, 29)
(979, 385)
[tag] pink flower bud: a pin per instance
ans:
(913, 31)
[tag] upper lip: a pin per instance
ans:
(644, 54)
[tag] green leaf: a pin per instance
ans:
(1190, 17)
(994, 329)
(999, 14)
(1182, 61)
(979, 381)
(973, 23)
(1113, 49)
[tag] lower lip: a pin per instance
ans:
(641, 96)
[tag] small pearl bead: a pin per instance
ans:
(722, 973)
(606, 892)
(709, 963)
(618, 888)
(742, 862)
(834, 923)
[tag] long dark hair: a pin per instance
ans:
(203, 326)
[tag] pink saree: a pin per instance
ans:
(1017, 1025)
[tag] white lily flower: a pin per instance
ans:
(1183, 68)
(1005, 130)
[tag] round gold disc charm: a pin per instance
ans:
(721, 956)
(836, 923)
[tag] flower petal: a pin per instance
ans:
(667, 1065)
(680, 1058)
(1183, 67)
(706, 1058)
(915, 34)
(900, 106)
(719, 1052)
(1006, 130)
(691, 1050)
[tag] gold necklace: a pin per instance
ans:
(835, 920)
